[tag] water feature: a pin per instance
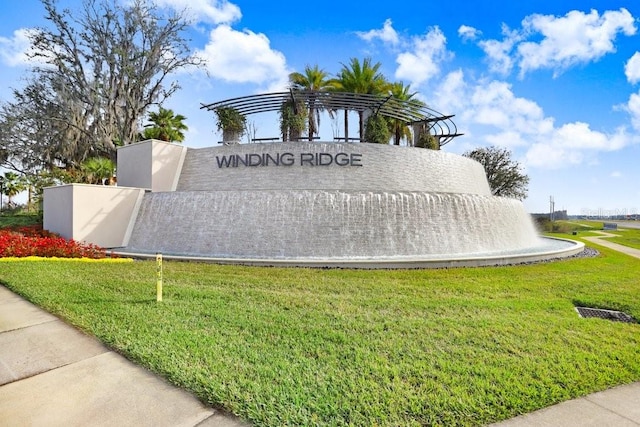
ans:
(369, 212)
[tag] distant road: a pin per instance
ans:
(627, 224)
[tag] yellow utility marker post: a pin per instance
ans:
(159, 277)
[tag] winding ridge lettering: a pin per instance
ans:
(289, 159)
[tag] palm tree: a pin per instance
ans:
(313, 79)
(13, 184)
(98, 169)
(399, 128)
(165, 126)
(360, 78)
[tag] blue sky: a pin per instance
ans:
(556, 82)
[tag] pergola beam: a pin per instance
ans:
(405, 111)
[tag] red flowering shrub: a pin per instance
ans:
(33, 241)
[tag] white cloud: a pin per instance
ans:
(492, 110)
(495, 104)
(423, 63)
(633, 108)
(507, 139)
(578, 135)
(466, 33)
(496, 116)
(213, 11)
(450, 94)
(574, 143)
(499, 52)
(572, 39)
(545, 155)
(632, 68)
(387, 34)
(561, 42)
(616, 174)
(243, 57)
(14, 51)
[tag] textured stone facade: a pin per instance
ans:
(375, 168)
(330, 201)
(330, 224)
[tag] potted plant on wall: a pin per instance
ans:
(293, 121)
(231, 123)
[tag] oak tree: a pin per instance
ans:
(504, 174)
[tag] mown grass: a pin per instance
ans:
(582, 225)
(12, 219)
(278, 346)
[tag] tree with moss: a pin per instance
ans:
(96, 70)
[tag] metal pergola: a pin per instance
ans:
(410, 112)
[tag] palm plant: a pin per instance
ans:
(377, 129)
(165, 126)
(313, 79)
(231, 122)
(12, 185)
(399, 128)
(97, 170)
(292, 120)
(360, 78)
(427, 140)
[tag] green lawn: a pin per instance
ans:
(11, 219)
(279, 346)
(581, 225)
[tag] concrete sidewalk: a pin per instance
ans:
(54, 375)
(619, 406)
(600, 240)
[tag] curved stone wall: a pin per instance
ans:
(330, 166)
(330, 201)
(294, 224)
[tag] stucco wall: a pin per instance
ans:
(102, 215)
(151, 164)
(57, 206)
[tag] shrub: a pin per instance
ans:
(377, 130)
(546, 226)
(34, 241)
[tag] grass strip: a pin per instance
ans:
(11, 219)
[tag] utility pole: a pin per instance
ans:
(552, 206)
